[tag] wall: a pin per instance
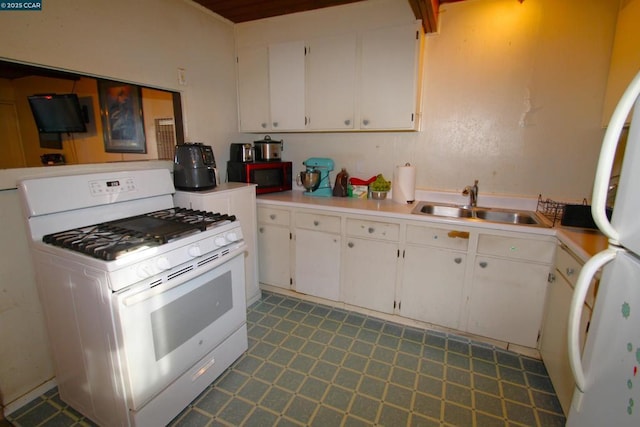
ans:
(625, 58)
(144, 42)
(512, 95)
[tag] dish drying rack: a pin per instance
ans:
(552, 209)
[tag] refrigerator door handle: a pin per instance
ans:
(587, 273)
(607, 156)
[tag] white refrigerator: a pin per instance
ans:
(607, 378)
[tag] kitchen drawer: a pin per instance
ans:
(438, 237)
(516, 248)
(569, 267)
(273, 216)
(311, 221)
(373, 229)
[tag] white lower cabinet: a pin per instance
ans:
(491, 283)
(274, 239)
(317, 255)
(371, 264)
(434, 275)
(507, 300)
(508, 288)
(553, 344)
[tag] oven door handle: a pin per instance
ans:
(161, 288)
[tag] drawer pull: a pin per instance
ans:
(350, 244)
(261, 229)
(570, 271)
(316, 223)
(458, 234)
(371, 230)
(483, 264)
(272, 216)
(457, 260)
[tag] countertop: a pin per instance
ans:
(583, 242)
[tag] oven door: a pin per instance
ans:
(166, 329)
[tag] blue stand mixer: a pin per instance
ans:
(316, 178)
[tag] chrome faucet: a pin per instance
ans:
(472, 192)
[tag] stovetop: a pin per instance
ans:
(114, 239)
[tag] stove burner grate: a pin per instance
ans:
(113, 239)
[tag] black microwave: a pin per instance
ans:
(269, 176)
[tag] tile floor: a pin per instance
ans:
(310, 364)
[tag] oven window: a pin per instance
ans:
(177, 322)
(268, 177)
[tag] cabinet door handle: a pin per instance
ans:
(371, 230)
(365, 122)
(457, 260)
(483, 264)
(275, 124)
(459, 234)
(261, 229)
(570, 271)
(272, 216)
(347, 122)
(316, 223)
(350, 244)
(264, 125)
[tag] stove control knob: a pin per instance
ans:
(220, 241)
(195, 251)
(232, 236)
(163, 263)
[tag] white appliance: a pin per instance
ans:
(144, 302)
(606, 376)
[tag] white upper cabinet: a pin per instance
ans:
(331, 82)
(286, 85)
(253, 88)
(388, 81)
(355, 81)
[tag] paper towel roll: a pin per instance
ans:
(403, 186)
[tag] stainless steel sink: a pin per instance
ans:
(449, 211)
(504, 216)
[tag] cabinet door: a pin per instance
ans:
(253, 89)
(388, 87)
(331, 71)
(274, 263)
(286, 81)
(507, 300)
(243, 206)
(370, 273)
(432, 284)
(553, 344)
(317, 263)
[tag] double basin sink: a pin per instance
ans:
(503, 216)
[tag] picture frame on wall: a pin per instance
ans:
(122, 118)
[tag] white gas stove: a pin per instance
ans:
(144, 301)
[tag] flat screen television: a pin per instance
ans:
(57, 113)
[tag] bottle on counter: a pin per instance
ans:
(342, 179)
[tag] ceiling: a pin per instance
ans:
(238, 11)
